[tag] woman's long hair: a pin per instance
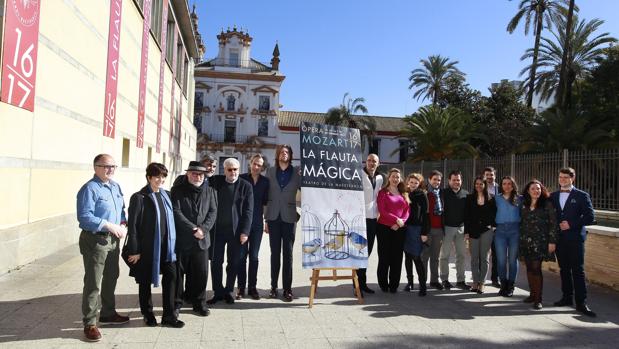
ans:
(485, 191)
(514, 194)
(527, 197)
(401, 186)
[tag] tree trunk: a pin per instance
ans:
(538, 35)
(563, 78)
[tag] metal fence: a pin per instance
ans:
(597, 171)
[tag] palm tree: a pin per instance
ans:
(437, 134)
(345, 115)
(562, 99)
(541, 11)
(555, 130)
(430, 80)
(583, 46)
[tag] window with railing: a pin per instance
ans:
(230, 131)
(264, 103)
(263, 127)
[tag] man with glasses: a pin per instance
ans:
(101, 216)
(234, 216)
(195, 211)
(574, 213)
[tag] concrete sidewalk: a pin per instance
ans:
(40, 306)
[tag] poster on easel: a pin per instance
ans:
(332, 202)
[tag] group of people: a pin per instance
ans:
(204, 216)
(426, 222)
(175, 234)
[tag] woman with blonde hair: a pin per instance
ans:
(393, 209)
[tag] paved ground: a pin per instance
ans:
(40, 308)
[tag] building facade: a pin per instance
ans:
(237, 107)
(111, 77)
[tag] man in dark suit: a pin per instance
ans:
(234, 218)
(574, 212)
(195, 211)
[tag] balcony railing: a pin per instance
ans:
(239, 63)
(228, 138)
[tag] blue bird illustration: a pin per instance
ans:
(358, 241)
(311, 247)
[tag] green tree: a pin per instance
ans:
(504, 121)
(599, 99)
(585, 48)
(431, 78)
(541, 11)
(346, 114)
(555, 130)
(458, 94)
(437, 134)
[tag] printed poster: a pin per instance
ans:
(332, 206)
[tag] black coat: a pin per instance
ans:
(193, 207)
(478, 219)
(243, 208)
(141, 230)
(418, 213)
(453, 207)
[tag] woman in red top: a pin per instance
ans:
(393, 207)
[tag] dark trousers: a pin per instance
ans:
(370, 227)
(233, 258)
(251, 248)
(168, 284)
(571, 258)
(419, 267)
(192, 265)
(281, 240)
(390, 251)
(494, 274)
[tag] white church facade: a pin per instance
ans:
(237, 108)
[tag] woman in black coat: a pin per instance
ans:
(417, 228)
(151, 239)
(480, 210)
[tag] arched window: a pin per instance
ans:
(231, 100)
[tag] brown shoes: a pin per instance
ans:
(92, 333)
(115, 319)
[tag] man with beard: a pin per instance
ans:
(234, 214)
(195, 211)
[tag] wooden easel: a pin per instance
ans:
(316, 277)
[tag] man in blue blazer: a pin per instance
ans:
(574, 212)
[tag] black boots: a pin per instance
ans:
(507, 288)
(410, 285)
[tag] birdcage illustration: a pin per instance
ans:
(336, 238)
(358, 238)
(311, 228)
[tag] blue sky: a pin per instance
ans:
(368, 48)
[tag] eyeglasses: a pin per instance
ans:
(107, 167)
(232, 169)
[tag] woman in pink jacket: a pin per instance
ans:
(393, 207)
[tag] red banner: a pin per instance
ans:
(20, 47)
(172, 116)
(143, 73)
(162, 65)
(111, 76)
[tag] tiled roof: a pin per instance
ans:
(289, 119)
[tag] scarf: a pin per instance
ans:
(438, 205)
(170, 255)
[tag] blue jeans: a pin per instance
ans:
(506, 242)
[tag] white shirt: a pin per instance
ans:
(563, 197)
